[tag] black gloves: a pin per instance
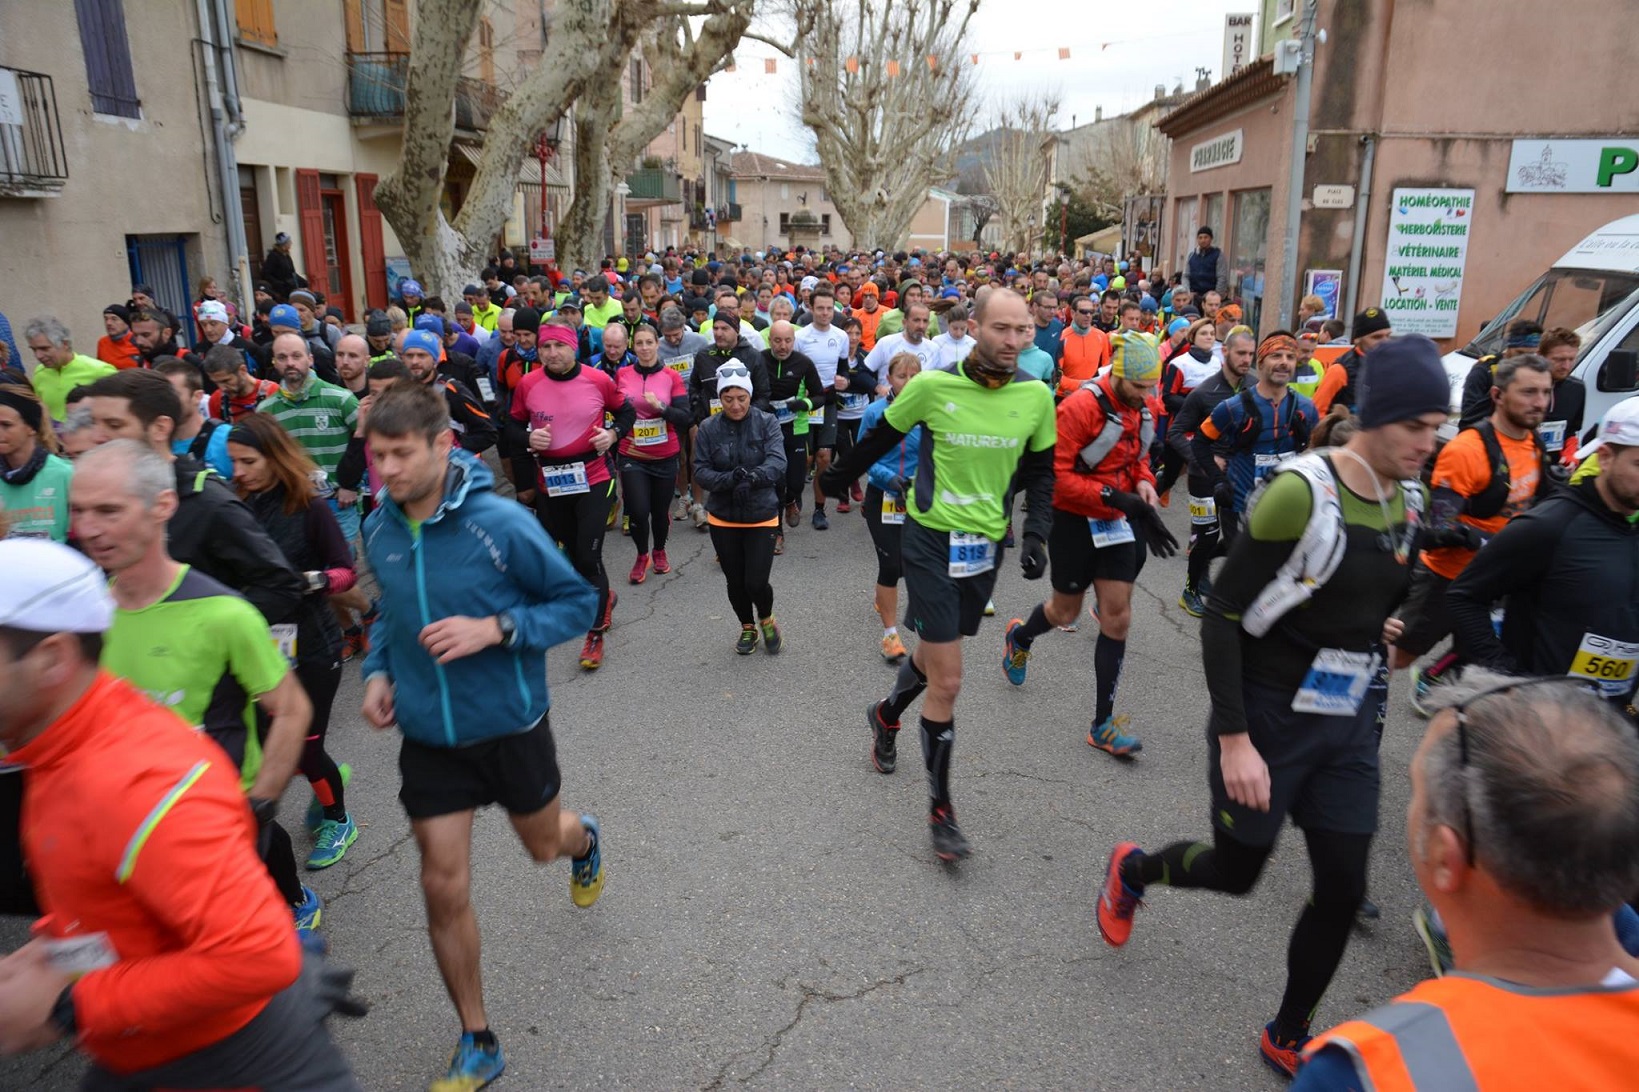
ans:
(1128, 504)
(741, 474)
(1153, 533)
(1033, 558)
(898, 486)
(1223, 494)
(796, 405)
(832, 483)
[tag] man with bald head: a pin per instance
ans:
(616, 352)
(322, 418)
(352, 362)
(795, 391)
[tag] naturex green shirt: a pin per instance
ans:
(38, 508)
(204, 653)
(977, 436)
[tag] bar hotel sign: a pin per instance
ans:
(1220, 151)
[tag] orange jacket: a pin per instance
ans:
(868, 321)
(1083, 356)
(1463, 1032)
(1080, 421)
(121, 354)
(134, 828)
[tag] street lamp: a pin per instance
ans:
(622, 191)
(1064, 221)
(546, 146)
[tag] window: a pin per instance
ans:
(1283, 10)
(256, 21)
(1248, 247)
(107, 57)
(785, 223)
(1184, 234)
(785, 191)
(637, 81)
(1212, 214)
(825, 223)
(486, 51)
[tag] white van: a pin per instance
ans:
(1594, 290)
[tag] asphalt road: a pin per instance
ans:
(774, 916)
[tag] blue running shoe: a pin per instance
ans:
(1192, 602)
(471, 1067)
(331, 843)
(1015, 658)
(308, 912)
(586, 873)
(1112, 736)
(315, 810)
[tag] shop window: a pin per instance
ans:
(1212, 216)
(1184, 234)
(1248, 248)
(1283, 10)
(825, 223)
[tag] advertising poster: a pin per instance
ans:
(1328, 285)
(1427, 252)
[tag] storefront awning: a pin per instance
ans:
(529, 172)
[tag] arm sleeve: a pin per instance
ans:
(350, 471)
(477, 426)
(773, 468)
(1187, 420)
(1035, 478)
(678, 412)
(620, 407)
(1516, 558)
(1256, 555)
(256, 567)
(1203, 447)
(761, 389)
(1330, 384)
(560, 603)
(325, 534)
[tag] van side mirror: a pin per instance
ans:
(1620, 371)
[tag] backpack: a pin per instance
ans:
(203, 440)
(1489, 501)
(1296, 427)
(1319, 550)
(1110, 434)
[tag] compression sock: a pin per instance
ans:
(328, 789)
(1034, 626)
(1441, 666)
(1108, 655)
(907, 686)
(1226, 865)
(938, 737)
(484, 1040)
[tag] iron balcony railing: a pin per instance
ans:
(375, 84)
(729, 213)
(33, 159)
(654, 184)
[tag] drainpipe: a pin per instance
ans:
(226, 125)
(1357, 247)
(1300, 155)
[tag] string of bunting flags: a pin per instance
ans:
(894, 68)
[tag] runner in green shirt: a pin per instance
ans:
(982, 425)
(60, 369)
(33, 480)
(191, 644)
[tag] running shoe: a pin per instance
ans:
(626, 526)
(772, 639)
(591, 653)
(614, 514)
(1422, 685)
(697, 513)
(857, 493)
(1007, 539)
(640, 569)
(884, 752)
(948, 843)
(1281, 1055)
(990, 608)
(1368, 911)
(747, 644)
(471, 1067)
(779, 544)
(1191, 602)
(1112, 736)
(586, 873)
(1205, 588)
(331, 842)
(608, 618)
(352, 644)
(1433, 935)
(893, 649)
(662, 564)
(1070, 627)
(844, 507)
(1015, 657)
(1116, 901)
(793, 514)
(821, 523)
(309, 912)
(1166, 499)
(315, 810)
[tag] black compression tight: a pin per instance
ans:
(747, 557)
(647, 486)
(796, 467)
(577, 522)
(886, 537)
(321, 680)
(1338, 862)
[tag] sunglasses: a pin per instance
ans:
(731, 370)
(1460, 710)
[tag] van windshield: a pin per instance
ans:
(1584, 300)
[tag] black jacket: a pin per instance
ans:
(703, 380)
(310, 540)
(1567, 569)
(216, 534)
(755, 443)
(785, 377)
(471, 422)
(280, 274)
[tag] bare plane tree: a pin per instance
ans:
(1019, 164)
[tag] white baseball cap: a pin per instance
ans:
(212, 309)
(50, 588)
(1620, 425)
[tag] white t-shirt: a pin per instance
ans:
(952, 351)
(826, 348)
(891, 346)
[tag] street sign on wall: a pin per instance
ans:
(1423, 265)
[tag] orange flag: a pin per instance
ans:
(975, 58)
(933, 63)
(768, 66)
(893, 69)
(851, 64)
(1064, 54)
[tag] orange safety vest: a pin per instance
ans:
(1464, 1032)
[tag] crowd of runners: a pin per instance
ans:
(202, 539)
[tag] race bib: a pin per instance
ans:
(1336, 683)
(1608, 664)
(486, 389)
(893, 510)
(817, 417)
(77, 956)
(1553, 436)
(971, 555)
(1264, 463)
(855, 403)
(649, 432)
(716, 407)
(683, 366)
(1110, 532)
(1203, 511)
(284, 635)
(783, 414)
(566, 480)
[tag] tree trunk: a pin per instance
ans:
(580, 232)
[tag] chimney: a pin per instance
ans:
(1098, 113)
(1160, 91)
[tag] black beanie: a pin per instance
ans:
(526, 320)
(1402, 379)
(1369, 321)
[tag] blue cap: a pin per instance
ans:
(1166, 298)
(1122, 266)
(420, 339)
(1102, 282)
(714, 266)
(410, 288)
(285, 315)
(1147, 304)
(1176, 326)
(952, 293)
(431, 323)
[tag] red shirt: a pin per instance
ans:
(241, 407)
(134, 828)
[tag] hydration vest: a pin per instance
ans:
(1110, 435)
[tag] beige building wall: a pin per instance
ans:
(930, 227)
(66, 254)
(766, 189)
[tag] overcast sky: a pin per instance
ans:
(1149, 44)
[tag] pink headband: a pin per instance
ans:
(554, 332)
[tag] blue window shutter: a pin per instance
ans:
(108, 57)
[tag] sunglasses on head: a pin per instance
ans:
(728, 370)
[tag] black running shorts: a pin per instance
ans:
(941, 607)
(1424, 612)
(1323, 770)
(1076, 562)
(518, 772)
